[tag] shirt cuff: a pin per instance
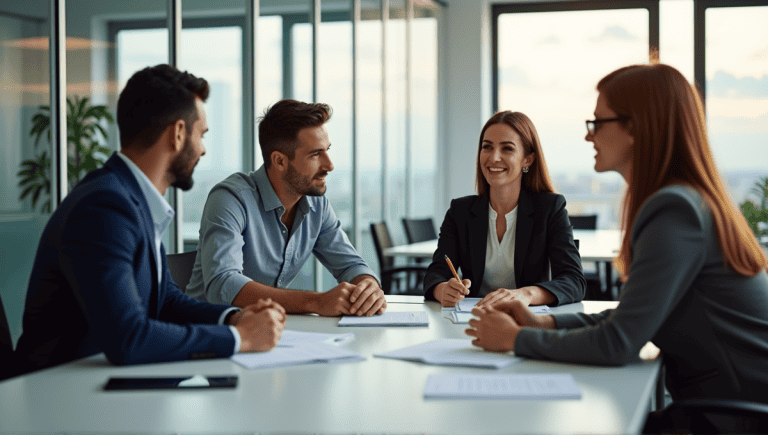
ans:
(225, 313)
(237, 339)
(354, 272)
(236, 334)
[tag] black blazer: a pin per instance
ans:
(544, 235)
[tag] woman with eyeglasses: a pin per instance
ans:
(505, 238)
(695, 276)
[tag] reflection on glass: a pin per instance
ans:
(423, 88)
(369, 124)
(549, 65)
(24, 87)
(737, 94)
(395, 70)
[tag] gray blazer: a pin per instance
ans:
(710, 323)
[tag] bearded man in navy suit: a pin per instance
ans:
(100, 282)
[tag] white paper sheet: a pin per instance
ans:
(400, 318)
(502, 386)
(304, 354)
(452, 352)
(297, 338)
(465, 306)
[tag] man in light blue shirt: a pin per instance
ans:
(258, 229)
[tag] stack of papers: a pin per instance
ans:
(452, 352)
(403, 318)
(463, 310)
(297, 347)
(502, 386)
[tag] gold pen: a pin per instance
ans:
(450, 265)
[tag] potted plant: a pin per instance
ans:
(757, 218)
(86, 150)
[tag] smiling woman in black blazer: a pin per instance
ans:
(505, 239)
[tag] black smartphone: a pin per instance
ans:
(175, 383)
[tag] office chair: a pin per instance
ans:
(6, 346)
(389, 273)
(419, 230)
(180, 266)
(594, 280)
(751, 417)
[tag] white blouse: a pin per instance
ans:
(499, 256)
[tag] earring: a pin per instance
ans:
(525, 170)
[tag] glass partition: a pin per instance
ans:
(25, 170)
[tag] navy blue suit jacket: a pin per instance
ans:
(544, 236)
(94, 285)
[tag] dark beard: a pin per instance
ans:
(302, 185)
(182, 167)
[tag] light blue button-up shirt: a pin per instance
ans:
(162, 213)
(242, 239)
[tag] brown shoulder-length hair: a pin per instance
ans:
(537, 179)
(667, 122)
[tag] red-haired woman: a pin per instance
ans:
(695, 276)
(505, 238)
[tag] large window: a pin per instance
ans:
(549, 57)
(736, 71)
(548, 63)
(373, 61)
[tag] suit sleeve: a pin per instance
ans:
(668, 253)
(102, 241)
(567, 283)
(447, 244)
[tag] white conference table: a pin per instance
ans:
(374, 396)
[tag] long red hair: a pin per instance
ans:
(667, 122)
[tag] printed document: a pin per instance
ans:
(401, 318)
(502, 386)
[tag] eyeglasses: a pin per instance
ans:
(593, 125)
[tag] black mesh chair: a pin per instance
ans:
(584, 221)
(395, 280)
(595, 284)
(6, 346)
(180, 266)
(419, 230)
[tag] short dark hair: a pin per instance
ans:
(155, 97)
(280, 125)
